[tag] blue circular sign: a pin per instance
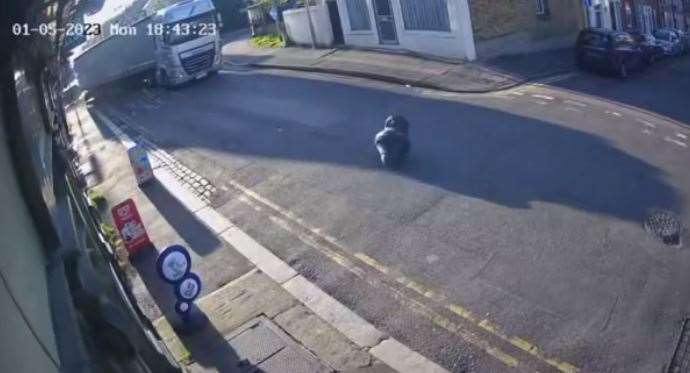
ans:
(188, 288)
(173, 264)
(182, 307)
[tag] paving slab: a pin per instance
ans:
(326, 342)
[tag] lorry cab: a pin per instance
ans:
(187, 41)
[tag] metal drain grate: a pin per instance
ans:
(664, 225)
(680, 363)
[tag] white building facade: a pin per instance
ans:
(435, 27)
(606, 14)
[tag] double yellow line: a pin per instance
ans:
(286, 219)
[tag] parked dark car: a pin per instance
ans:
(670, 41)
(650, 47)
(608, 50)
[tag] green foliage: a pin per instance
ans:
(268, 41)
(96, 197)
(110, 234)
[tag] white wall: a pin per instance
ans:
(297, 25)
(458, 43)
(603, 7)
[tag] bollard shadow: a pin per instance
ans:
(198, 237)
(206, 345)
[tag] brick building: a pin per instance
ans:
(671, 14)
(461, 28)
(519, 26)
(641, 15)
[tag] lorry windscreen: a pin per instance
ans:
(191, 28)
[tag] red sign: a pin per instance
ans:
(129, 225)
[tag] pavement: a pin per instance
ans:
(255, 313)
(404, 67)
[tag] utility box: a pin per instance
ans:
(140, 163)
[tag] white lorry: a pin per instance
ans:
(176, 44)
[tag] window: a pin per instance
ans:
(623, 41)
(542, 7)
(428, 15)
(358, 14)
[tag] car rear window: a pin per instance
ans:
(665, 35)
(623, 40)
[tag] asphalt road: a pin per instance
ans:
(513, 239)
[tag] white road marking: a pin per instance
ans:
(674, 141)
(614, 113)
(543, 97)
(575, 110)
(646, 131)
(576, 103)
(648, 124)
(540, 102)
(517, 93)
(684, 137)
(554, 79)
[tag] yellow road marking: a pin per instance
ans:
(421, 289)
(470, 317)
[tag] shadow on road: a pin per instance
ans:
(200, 239)
(466, 149)
(530, 66)
(663, 88)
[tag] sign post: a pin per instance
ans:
(130, 226)
(174, 267)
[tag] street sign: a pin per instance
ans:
(188, 288)
(182, 307)
(130, 226)
(139, 161)
(173, 264)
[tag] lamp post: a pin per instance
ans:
(311, 24)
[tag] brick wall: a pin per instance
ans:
(492, 18)
(516, 21)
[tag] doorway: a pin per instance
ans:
(385, 22)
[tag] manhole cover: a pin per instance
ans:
(681, 356)
(664, 225)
